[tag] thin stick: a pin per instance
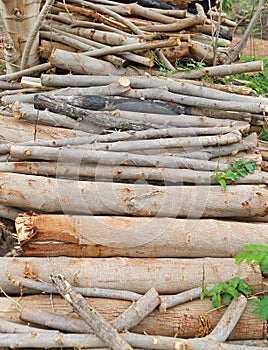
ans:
(88, 292)
(111, 13)
(101, 327)
(37, 26)
(28, 71)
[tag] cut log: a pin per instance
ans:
(171, 85)
(27, 113)
(180, 321)
(101, 119)
(9, 212)
(88, 236)
(221, 71)
(166, 275)
(131, 173)
(84, 155)
(82, 64)
(21, 131)
(23, 191)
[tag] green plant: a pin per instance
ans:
(263, 135)
(261, 307)
(225, 292)
(241, 169)
(258, 81)
(193, 64)
(256, 253)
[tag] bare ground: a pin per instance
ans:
(255, 47)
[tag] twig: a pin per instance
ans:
(30, 39)
(180, 298)
(234, 52)
(88, 292)
(28, 71)
(100, 326)
(137, 311)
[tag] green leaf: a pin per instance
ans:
(244, 288)
(234, 282)
(202, 296)
(233, 292)
(222, 182)
(216, 301)
(240, 257)
(261, 307)
(242, 172)
(231, 175)
(251, 167)
(227, 298)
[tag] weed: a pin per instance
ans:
(225, 292)
(256, 253)
(263, 135)
(241, 169)
(258, 81)
(261, 307)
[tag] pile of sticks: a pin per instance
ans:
(106, 315)
(112, 176)
(117, 131)
(113, 36)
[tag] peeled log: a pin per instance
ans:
(182, 320)
(68, 196)
(166, 275)
(104, 236)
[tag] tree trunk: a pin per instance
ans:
(19, 18)
(166, 275)
(21, 131)
(240, 201)
(182, 320)
(95, 236)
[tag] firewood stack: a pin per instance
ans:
(115, 36)
(111, 181)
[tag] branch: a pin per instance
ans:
(30, 40)
(101, 327)
(234, 52)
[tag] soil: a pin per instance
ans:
(255, 47)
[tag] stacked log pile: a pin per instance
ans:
(111, 183)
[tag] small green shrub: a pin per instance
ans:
(225, 292)
(240, 169)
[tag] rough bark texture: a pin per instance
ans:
(19, 18)
(182, 320)
(23, 191)
(94, 236)
(166, 275)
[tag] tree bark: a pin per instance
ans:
(88, 236)
(9, 212)
(166, 275)
(241, 201)
(131, 173)
(28, 113)
(18, 20)
(181, 321)
(21, 131)
(100, 326)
